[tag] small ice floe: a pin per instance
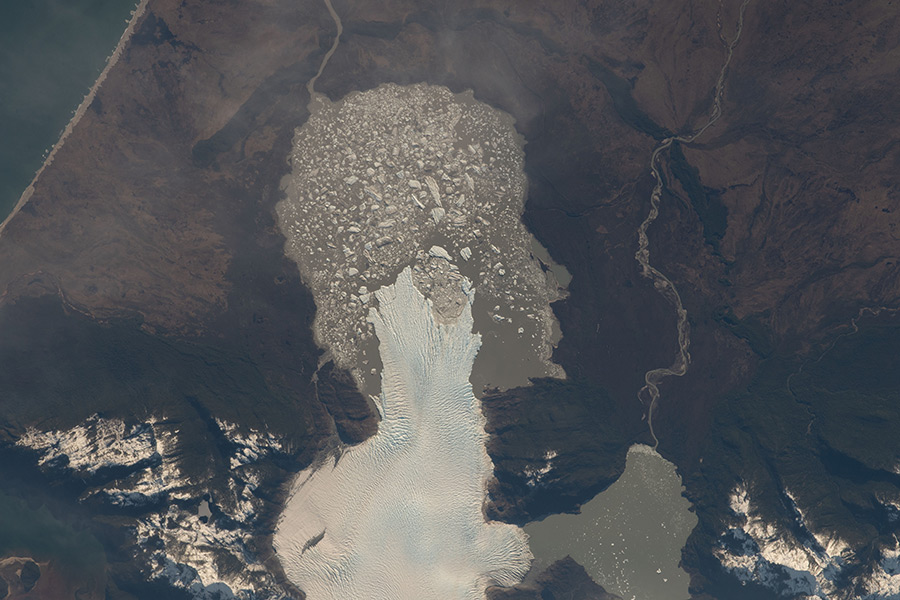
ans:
(439, 252)
(466, 253)
(373, 194)
(433, 188)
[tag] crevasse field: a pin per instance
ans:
(400, 516)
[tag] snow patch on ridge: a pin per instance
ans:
(96, 444)
(761, 552)
(884, 581)
(194, 553)
(188, 554)
(400, 516)
(250, 447)
(535, 476)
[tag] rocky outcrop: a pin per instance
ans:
(354, 418)
(555, 444)
(29, 575)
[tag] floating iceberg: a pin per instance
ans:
(400, 516)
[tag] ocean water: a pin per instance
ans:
(400, 515)
(51, 52)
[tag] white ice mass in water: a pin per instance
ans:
(400, 516)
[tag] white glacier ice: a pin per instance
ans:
(400, 516)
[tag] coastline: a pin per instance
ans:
(79, 112)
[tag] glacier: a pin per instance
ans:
(400, 516)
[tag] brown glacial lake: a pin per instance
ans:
(629, 537)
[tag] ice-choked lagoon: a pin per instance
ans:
(400, 516)
(398, 198)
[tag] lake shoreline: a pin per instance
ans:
(79, 112)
